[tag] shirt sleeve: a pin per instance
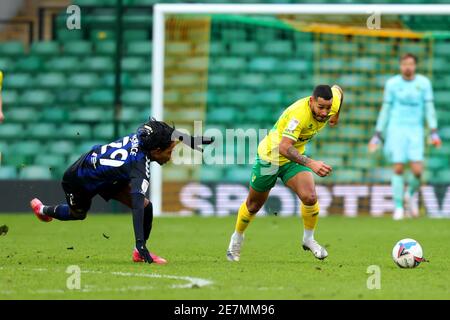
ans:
(388, 99)
(293, 128)
(140, 176)
(428, 94)
(1, 80)
(336, 101)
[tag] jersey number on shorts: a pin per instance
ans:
(122, 153)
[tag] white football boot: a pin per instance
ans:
(234, 248)
(399, 214)
(412, 203)
(317, 250)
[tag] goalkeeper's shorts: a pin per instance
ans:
(265, 174)
(404, 144)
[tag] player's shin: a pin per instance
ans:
(413, 185)
(310, 215)
(244, 218)
(59, 212)
(397, 190)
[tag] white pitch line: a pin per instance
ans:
(192, 281)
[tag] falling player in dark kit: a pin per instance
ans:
(121, 171)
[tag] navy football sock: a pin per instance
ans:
(60, 212)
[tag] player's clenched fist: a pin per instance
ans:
(320, 168)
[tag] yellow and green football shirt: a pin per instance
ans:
(298, 124)
(1, 80)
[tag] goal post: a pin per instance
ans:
(162, 11)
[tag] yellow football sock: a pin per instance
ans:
(244, 218)
(310, 215)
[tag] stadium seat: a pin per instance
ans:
(139, 48)
(12, 48)
(229, 63)
(37, 97)
(8, 172)
(104, 132)
(238, 174)
(45, 48)
(78, 48)
(105, 47)
(129, 114)
(211, 173)
(28, 147)
(379, 175)
(367, 64)
(11, 131)
(135, 64)
(252, 80)
(443, 177)
(51, 160)
(54, 114)
(42, 130)
(29, 64)
(100, 97)
(35, 173)
(102, 34)
(242, 48)
(91, 115)
(98, 63)
(22, 114)
(64, 63)
(221, 115)
(6, 64)
(18, 81)
(141, 80)
(264, 64)
(135, 35)
(65, 35)
(346, 176)
(277, 48)
(64, 147)
(332, 64)
(137, 97)
(75, 132)
(10, 97)
(436, 163)
(15, 159)
(50, 80)
(84, 80)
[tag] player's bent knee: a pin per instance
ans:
(309, 199)
(254, 206)
(78, 214)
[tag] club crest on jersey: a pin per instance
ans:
(292, 125)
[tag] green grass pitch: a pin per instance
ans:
(34, 258)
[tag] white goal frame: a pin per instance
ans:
(161, 10)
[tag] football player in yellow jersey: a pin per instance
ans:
(2, 117)
(280, 154)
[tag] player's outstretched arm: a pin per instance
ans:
(288, 150)
(195, 143)
(137, 202)
(335, 118)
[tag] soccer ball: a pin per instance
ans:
(407, 253)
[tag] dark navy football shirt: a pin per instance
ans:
(120, 161)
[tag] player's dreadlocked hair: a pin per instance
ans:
(154, 134)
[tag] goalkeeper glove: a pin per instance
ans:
(435, 140)
(194, 142)
(143, 251)
(375, 142)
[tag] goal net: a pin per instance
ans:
(231, 73)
